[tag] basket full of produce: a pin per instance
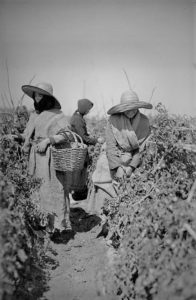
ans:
(71, 156)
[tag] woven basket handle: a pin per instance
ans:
(75, 135)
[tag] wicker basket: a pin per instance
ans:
(71, 158)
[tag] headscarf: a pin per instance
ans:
(84, 105)
(43, 88)
(45, 103)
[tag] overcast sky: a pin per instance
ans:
(82, 46)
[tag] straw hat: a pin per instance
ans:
(129, 100)
(42, 88)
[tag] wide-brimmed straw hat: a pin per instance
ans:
(42, 88)
(129, 100)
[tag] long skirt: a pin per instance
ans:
(102, 186)
(97, 196)
(54, 185)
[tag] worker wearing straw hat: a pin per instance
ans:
(126, 131)
(46, 127)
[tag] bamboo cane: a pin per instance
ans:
(129, 84)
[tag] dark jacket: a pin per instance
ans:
(78, 125)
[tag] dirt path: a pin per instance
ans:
(80, 257)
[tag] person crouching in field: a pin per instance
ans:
(79, 126)
(46, 127)
(126, 132)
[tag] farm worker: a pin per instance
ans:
(79, 126)
(126, 132)
(46, 127)
(78, 123)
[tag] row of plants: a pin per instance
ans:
(23, 238)
(152, 224)
(23, 235)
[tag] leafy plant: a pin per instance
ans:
(22, 222)
(151, 223)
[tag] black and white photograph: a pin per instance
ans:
(98, 149)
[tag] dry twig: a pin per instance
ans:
(129, 84)
(153, 90)
(158, 165)
(21, 99)
(185, 128)
(146, 196)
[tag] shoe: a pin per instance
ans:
(66, 223)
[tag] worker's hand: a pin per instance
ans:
(41, 147)
(126, 159)
(120, 173)
(26, 148)
(100, 140)
(128, 170)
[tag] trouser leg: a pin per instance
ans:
(66, 221)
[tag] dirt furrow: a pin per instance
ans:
(81, 256)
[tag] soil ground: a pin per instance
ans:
(80, 258)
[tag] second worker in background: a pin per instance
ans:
(79, 126)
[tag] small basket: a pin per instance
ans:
(71, 158)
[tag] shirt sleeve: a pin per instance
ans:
(78, 125)
(112, 150)
(135, 159)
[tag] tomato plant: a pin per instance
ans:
(151, 223)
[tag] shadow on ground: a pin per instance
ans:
(81, 221)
